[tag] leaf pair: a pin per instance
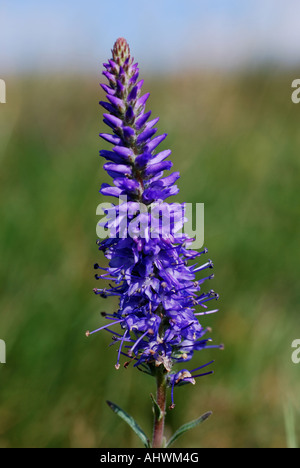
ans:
(140, 433)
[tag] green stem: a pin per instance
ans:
(159, 421)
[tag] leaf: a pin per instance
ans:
(156, 409)
(187, 427)
(131, 422)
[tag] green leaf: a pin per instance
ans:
(156, 409)
(187, 427)
(131, 422)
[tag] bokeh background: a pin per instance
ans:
(220, 77)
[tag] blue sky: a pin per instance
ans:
(163, 34)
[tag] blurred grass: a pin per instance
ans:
(236, 141)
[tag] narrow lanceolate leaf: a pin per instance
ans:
(156, 409)
(131, 422)
(187, 427)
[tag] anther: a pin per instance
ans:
(87, 333)
(213, 293)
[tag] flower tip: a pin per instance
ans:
(172, 406)
(121, 51)
(222, 347)
(117, 366)
(87, 333)
(120, 42)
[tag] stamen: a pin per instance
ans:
(207, 312)
(105, 326)
(202, 375)
(209, 264)
(201, 367)
(117, 366)
(137, 341)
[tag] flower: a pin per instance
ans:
(157, 288)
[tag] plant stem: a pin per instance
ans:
(159, 421)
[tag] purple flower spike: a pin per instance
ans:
(148, 268)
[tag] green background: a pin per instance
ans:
(235, 139)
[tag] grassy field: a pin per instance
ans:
(236, 141)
